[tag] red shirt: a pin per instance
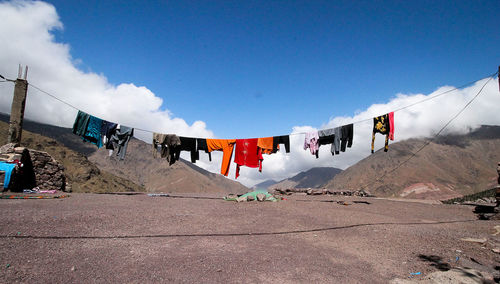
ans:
(247, 154)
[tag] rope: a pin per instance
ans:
(428, 141)
(299, 133)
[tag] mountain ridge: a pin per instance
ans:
(314, 178)
(449, 166)
(155, 175)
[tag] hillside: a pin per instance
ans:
(157, 176)
(314, 178)
(265, 184)
(82, 175)
(450, 166)
(139, 165)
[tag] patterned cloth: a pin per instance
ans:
(381, 125)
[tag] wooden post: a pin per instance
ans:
(17, 110)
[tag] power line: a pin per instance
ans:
(428, 141)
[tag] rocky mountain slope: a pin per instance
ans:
(139, 165)
(313, 178)
(81, 174)
(450, 166)
(265, 184)
(157, 176)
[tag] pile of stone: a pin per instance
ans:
(320, 191)
(485, 212)
(36, 169)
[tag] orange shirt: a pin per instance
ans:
(266, 145)
(226, 146)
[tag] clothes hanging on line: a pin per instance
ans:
(266, 145)
(159, 145)
(347, 133)
(381, 125)
(248, 154)
(311, 142)
(284, 139)
(120, 139)
(107, 130)
(88, 127)
(168, 145)
(93, 132)
(331, 136)
(226, 146)
(326, 137)
(391, 125)
(188, 144)
(81, 122)
(201, 145)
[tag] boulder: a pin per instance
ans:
(261, 197)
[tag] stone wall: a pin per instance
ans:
(49, 173)
(38, 169)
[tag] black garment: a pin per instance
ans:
(120, 139)
(381, 125)
(347, 132)
(188, 144)
(201, 144)
(327, 136)
(285, 139)
(107, 130)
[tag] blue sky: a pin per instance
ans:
(257, 68)
(242, 69)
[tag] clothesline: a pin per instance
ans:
(299, 133)
(382, 127)
(428, 141)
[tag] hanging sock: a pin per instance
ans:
(381, 125)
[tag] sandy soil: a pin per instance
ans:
(90, 238)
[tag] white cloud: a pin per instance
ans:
(29, 40)
(421, 120)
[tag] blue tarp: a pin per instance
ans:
(7, 168)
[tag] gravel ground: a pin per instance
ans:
(90, 238)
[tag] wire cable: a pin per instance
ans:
(302, 133)
(429, 140)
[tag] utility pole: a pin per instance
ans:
(17, 110)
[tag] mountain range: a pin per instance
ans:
(449, 166)
(139, 168)
(313, 178)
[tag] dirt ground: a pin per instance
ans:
(89, 238)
